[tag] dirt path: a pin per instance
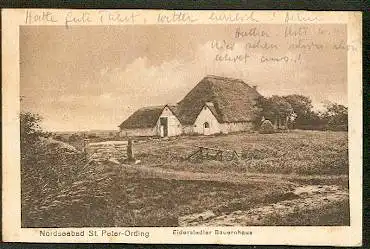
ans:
(309, 198)
(311, 193)
(292, 180)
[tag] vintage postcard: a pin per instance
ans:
(194, 127)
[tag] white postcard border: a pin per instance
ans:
(12, 231)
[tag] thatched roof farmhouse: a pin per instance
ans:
(215, 105)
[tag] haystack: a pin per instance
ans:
(266, 127)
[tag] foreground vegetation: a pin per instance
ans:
(294, 152)
(61, 189)
(117, 197)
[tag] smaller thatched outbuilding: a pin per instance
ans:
(152, 121)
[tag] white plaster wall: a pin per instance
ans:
(206, 116)
(174, 125)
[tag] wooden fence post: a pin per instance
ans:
(86, 143)
(130, 152)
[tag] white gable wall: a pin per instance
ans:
(175, 128)
(206, 116)
(174, 125)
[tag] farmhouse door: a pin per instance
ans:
(164, 126)
(206, 129)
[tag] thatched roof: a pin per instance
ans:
(233, 100)
(145, 117)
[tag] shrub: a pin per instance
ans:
(73, 138)
(266, 127)
(92, 135)
(59, 188)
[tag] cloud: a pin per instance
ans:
(139, 83)
(118, 92)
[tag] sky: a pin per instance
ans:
(94, 77)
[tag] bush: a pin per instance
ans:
(337, 127)
(59, 188)
(92, 135)
(58, 137)
(266, 127)
(74, 137)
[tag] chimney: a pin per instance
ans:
(255, 87)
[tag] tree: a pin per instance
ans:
(302, 108)
(301, 104)
(282, 109)
(336, 116)
(30, 134)
(30, 129)
(297, 111)
(260, 109)
(275, 109)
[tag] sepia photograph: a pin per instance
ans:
(183, 125)
(211, 125)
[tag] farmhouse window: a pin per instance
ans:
(206, 125)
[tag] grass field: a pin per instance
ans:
(299, 152)
(264, 187)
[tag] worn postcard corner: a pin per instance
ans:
(195, 127)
